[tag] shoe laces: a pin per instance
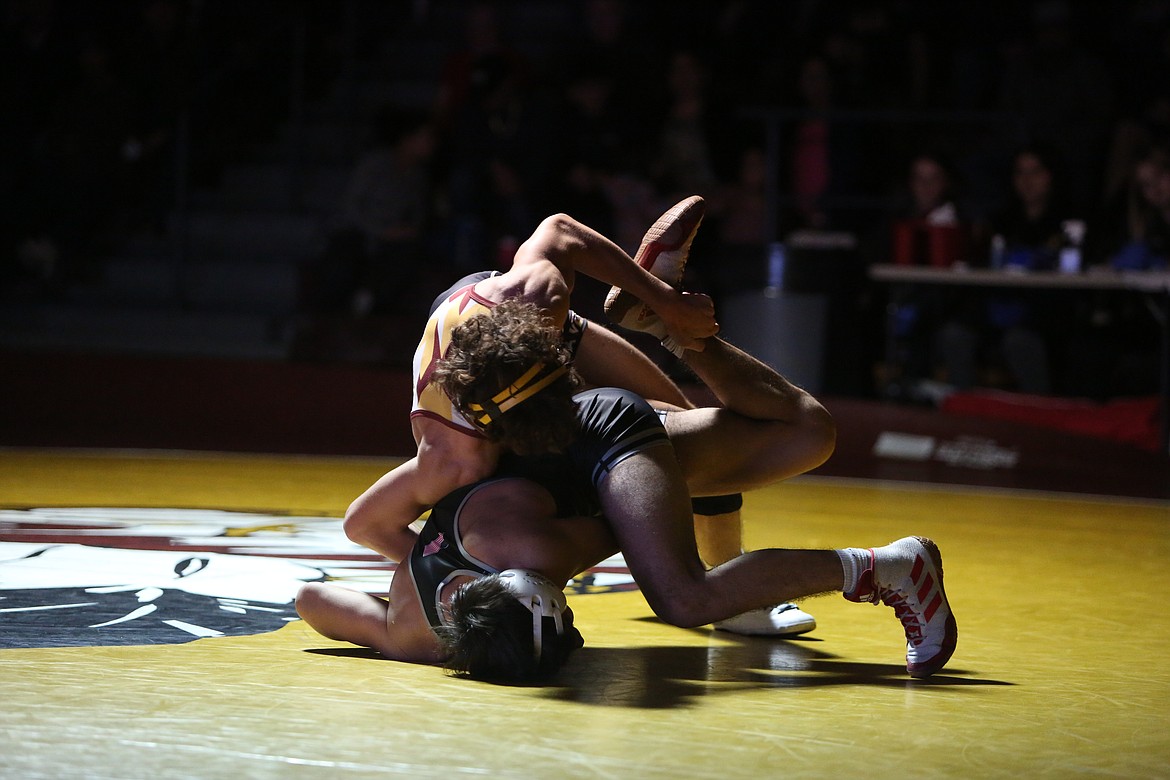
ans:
(905, 612)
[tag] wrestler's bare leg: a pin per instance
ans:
(645, 501)
(768, 429)
(605, 359)
(743, 384)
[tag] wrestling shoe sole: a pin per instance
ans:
(672, 234)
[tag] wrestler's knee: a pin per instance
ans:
(791, 449)
(821, 431)
(681, 607)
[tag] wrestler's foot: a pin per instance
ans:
(781, 620)
(663, 253)
(908, 576)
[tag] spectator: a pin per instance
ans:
(1014, 330)
(1063, 92)
(607, 38)
(688, 136)
(482, 38)
(1114, 350)
(1143, 237)
(927, 226)
(740, 213)
(501, 165)
(378, 258)
(594, 143)
(821, 157)
(695, 135)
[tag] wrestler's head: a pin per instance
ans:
(509, 373)
(514, 626)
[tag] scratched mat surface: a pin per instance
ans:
(159, 642)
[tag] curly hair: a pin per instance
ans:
(490, 352)
(488, 636)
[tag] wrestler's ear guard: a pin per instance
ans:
(541, 597)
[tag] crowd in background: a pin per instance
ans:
(115, 111)
(1011, 130)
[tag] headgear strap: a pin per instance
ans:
(542, 598)
(528, 385)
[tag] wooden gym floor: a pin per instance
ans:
(1060, 601)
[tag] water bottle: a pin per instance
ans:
(775, 277)
(998, 246)
(1070, 252)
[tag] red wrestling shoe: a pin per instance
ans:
(663, 253)
(907, 575)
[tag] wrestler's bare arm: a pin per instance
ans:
(545, 266)
(345, 615)
(543, 272)
(363, 619)
(380, 517)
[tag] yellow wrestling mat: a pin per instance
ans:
(1059, 669)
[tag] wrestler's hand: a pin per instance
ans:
(689, 318)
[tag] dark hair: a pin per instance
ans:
(1047, 153)
(940, 157)
(1140, 213)
(488, 636)
(488, 353)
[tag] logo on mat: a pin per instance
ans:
(89, 577)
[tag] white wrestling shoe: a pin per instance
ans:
(781, 620)
(663, 253)
(908, 576)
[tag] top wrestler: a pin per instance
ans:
(478, 589)
(454, 451)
